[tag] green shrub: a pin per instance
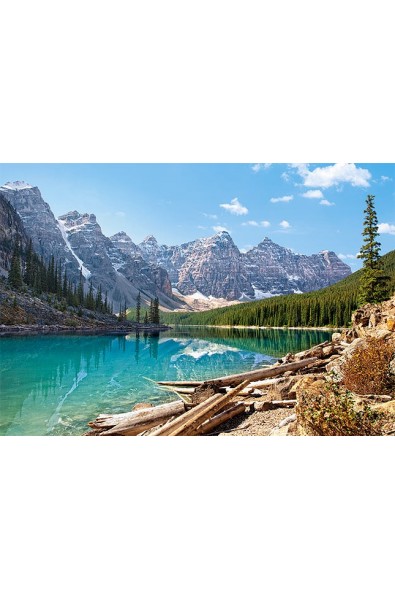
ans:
(331, 410)
(367, 370)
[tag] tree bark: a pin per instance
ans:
(222, 417)
(134, 422)
(250, 376)
(199, 414)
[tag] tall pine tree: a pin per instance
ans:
(373, 285)
(15, 272)
(138, 307)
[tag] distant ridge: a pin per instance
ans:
(330, 306)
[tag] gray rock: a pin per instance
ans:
(215, 267)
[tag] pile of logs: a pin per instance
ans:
(205, 405)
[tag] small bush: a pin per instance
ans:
(71, 322)
(367, 369)
(332, 411)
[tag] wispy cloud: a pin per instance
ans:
(384, 178)
(281, 199)
(219, 228)
(120, 213)
(210, 216)
(235, 207)
(313, 194)
(327, 203)
(251, 223)
(201, 227)
(256, 224)
(386, 228)
(333, 175)
(285, 225)
(258, 166)
(343, 256)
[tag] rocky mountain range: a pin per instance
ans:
(203, 270)
(214, 267)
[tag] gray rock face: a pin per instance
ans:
(275, 270)
(78, 242)
(11, 230)
(215, 267)
(115, 263)
(40, 224)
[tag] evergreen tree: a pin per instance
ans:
(373, 284)
(29, 268)
(89, 300)
(151, 311)
(80, 291)
(65, 289)
(99, 300)
(15, 272)
(155, 311)
(138, 307)
(146, 320)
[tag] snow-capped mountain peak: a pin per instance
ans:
(17, 185)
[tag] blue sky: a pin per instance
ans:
(305, 207)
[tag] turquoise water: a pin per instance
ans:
(55, 384)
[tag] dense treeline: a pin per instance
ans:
(331, 306)
(28, 269)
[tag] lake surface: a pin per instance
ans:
(55, 384)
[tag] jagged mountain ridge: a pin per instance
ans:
(215, 267)
(208, 268)
(76, 240)
(11, 229)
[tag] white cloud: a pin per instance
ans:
(343, 256)
(384, 178)
(258, 166)
(336, 174)
(281, 199)
(285, 225)
(252, 223)
(219, 228)
(265, 223)
(313, 194)
(235, 207)
(386, 228)
(209, 216)
(285, 176)
(327, 203)
(120, 213)
(201, 227)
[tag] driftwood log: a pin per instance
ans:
(220, 418)
(186, 424)
(135, 422)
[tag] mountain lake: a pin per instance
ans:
(56, 384)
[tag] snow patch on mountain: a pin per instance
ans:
(85, 272)
(17, 185)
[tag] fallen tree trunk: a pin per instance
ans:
(219, 419)
(264, 373)
(197, 415)
(134, 422)
(180, 383)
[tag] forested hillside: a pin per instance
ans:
(331, 306)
